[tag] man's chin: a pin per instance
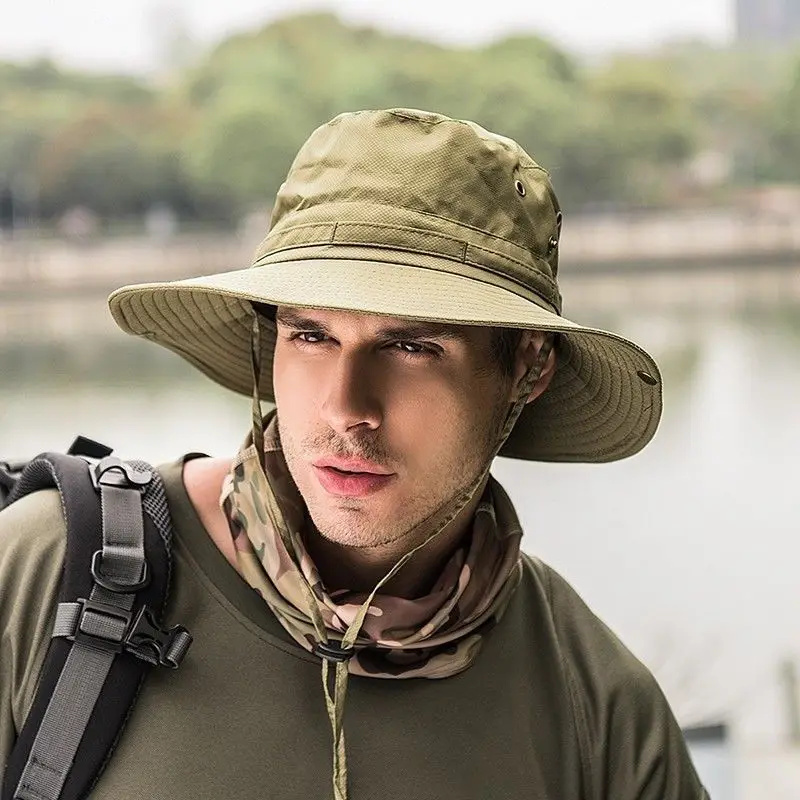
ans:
(357, 527)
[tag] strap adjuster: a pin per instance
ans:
(110, 583)
(113, 471)
(102, 626)
(333, 651)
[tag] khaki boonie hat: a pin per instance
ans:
(413, 214)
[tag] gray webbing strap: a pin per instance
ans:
(64, 723)
(67, 616)
(99, 631)
(123, 534)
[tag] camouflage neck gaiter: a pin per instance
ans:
(433, 636)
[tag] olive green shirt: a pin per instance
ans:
(554, 708)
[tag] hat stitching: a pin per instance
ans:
(599, 422)
(543, 276)
(199, 315)
(308, 225)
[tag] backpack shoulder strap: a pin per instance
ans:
(106, 636)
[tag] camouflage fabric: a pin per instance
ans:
(431, 637)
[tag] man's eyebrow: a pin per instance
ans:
(295, 320)
(425, 330)
(410, 330)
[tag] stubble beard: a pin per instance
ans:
(353, 523)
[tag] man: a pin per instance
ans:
(355, 567)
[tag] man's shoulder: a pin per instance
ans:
(33, 524)
(605, 678)
(590, 651)
(32, 544)
(632, 742)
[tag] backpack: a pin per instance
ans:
(106, 636)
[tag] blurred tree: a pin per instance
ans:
(642, 128)
(243, 149)
(7, 209)
(731, 93)
(780, 160)
(98, 162)
(215, 139)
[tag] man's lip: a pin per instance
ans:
(357, 465)
(351, 484)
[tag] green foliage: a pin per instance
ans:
(218, 139)
(780, 159)
(43, 76)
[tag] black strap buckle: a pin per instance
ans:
(149, 641)
(333, 651)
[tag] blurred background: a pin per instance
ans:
(144, 141)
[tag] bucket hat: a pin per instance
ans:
(409, 213)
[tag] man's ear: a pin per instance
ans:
(527, 352)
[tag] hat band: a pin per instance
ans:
(410, 232)
(364, 256)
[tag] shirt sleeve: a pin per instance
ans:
(32, 544)
(632, 744)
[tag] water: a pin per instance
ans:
(689, 550)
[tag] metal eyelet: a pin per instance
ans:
(520, 187)
(646, 377)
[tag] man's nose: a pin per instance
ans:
(351, 400)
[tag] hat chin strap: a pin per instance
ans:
(255, 369)
(335, 699)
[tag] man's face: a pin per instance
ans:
(383, 420)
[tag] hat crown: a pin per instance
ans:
(387, 178)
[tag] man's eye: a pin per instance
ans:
(310, 337)
(414, 348)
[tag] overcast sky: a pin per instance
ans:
(120, 34)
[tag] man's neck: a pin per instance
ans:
(340, 567)
(360, 569)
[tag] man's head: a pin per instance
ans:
(383, 420)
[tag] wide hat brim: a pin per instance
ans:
(603, 404)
